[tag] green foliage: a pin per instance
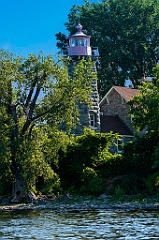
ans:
(5, 153)
(113, 165)
(37, 92)
(122, 176)
(126, 33)
(36, 96)
(93, 183)
(156, 157)
(152, 183)
(49, 186)
(144, 152)
(56, 141)
(153, 180)
(144, 108)
(140, 162)
(78, 166)
(31, 159)
(132, 183)
(138, 156)
(119, 192)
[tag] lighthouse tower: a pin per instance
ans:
(79, 47)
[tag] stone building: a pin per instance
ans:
(114, 114)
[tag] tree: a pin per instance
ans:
(5, 163)
(127, 35)
(144, 107)
(142, 155)
(36, 91)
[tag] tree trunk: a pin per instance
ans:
(21, 193)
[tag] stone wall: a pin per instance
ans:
(116, 105)
(85, 112)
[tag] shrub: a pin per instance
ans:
(83, 158)
(92, 182)
(112, 166)
(152, 183)
(49, 186)
(138, 156)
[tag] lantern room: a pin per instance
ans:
(79, 44)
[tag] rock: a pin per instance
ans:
(51, 196)
(68, 203)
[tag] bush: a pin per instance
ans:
(92, 182)
(141, 161)
(82, 161)
(152, 183)
(49, 186)
(138, 156)
(112, 166)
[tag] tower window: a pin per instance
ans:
(86, 42)
(93, 119)
(72, 42)
(80, 42)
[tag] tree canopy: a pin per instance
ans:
(36, 92)
(144, 107)
(126, 33)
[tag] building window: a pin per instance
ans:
(120, 143)
(72, 42)
(93, 119)
(86, 42)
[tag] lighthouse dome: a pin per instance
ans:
(79, 31)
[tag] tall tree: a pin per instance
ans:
(144, 107)
(126, 33)
(33, 92)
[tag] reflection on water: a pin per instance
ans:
(79, 225)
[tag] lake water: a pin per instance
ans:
(103, 224)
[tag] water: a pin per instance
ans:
(49, 224)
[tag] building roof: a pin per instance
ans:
(114, 124)
(126, 92)
(79, 32)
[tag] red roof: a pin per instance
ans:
(126, 92)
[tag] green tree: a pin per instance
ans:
(126, 33)
(36, 91)
(144, 107)
(144, 153)
(79, 165)
(5, 154)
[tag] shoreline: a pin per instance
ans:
(70, 203)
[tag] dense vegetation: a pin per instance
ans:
(126, 33)
(37, 95)
(51, 161)
(44, 160)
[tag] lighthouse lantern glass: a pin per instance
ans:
(78, 42)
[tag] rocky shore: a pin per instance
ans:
(71, 203)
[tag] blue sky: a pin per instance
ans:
(29, 26)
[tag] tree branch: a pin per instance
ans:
(30, 93)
